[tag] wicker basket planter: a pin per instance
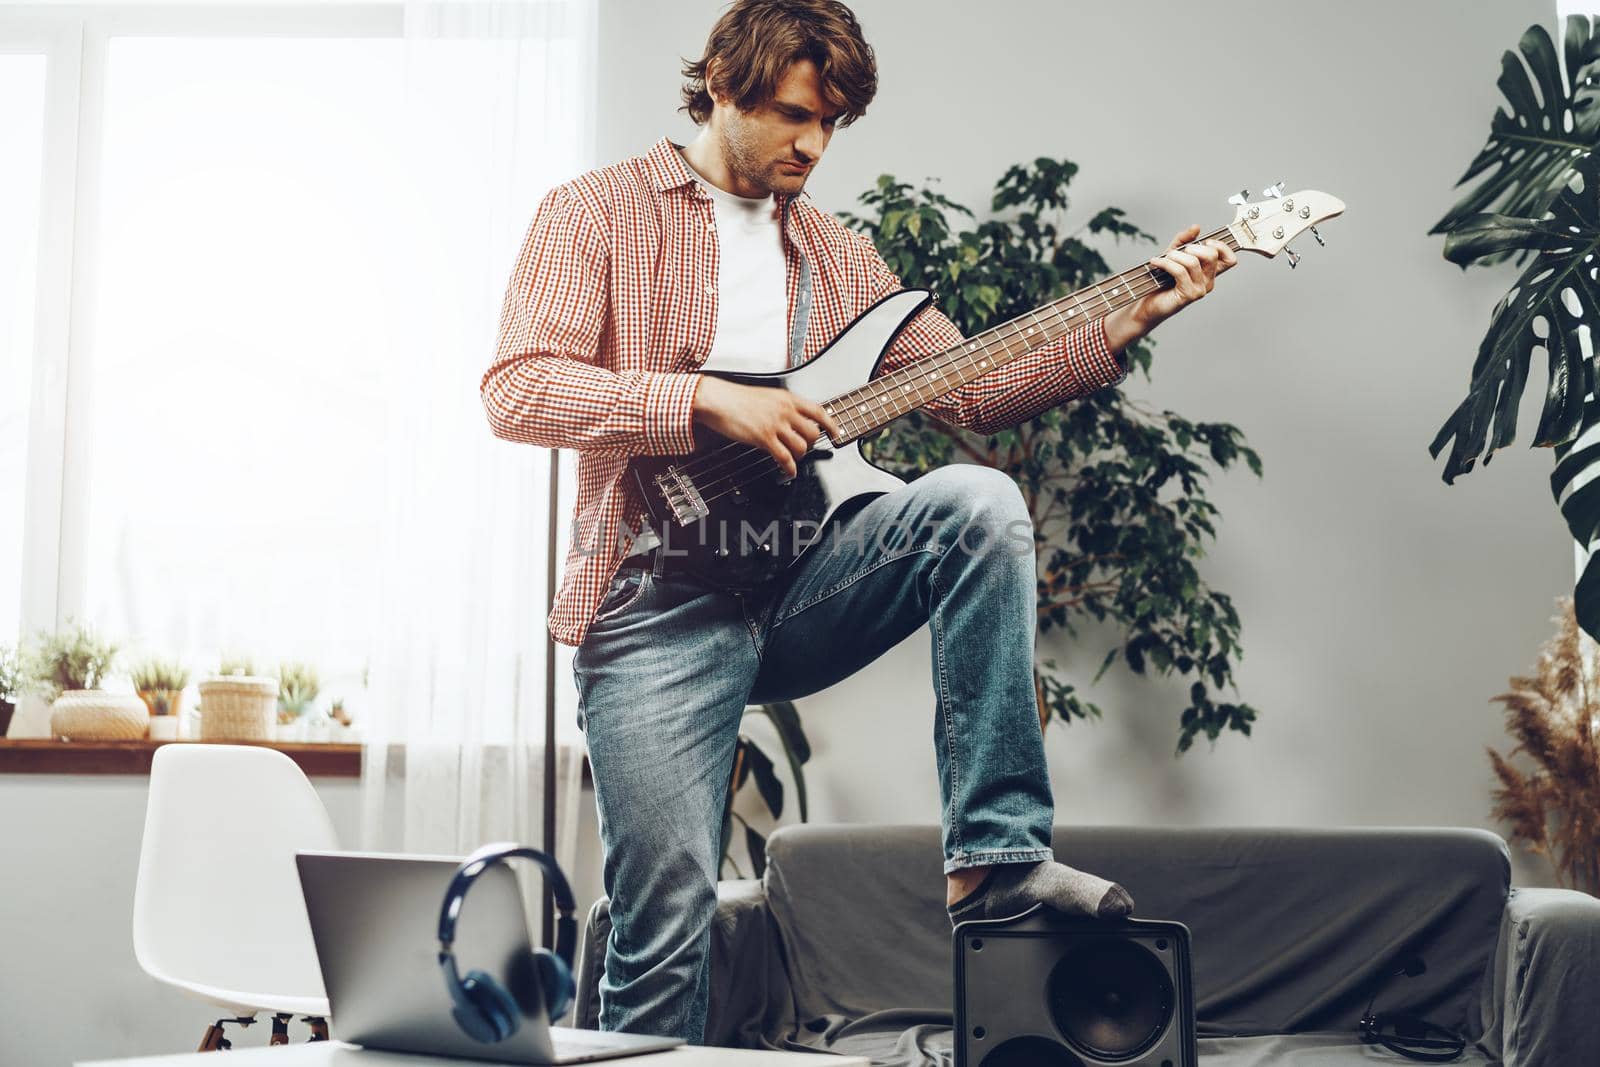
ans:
(98, 715)
(238, 708)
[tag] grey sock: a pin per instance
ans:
(1012, 888)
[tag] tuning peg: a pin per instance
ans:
(1241, 198)
(1274, 191)
(1294, 257)
(1318, 236)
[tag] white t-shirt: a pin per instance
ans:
(752, 298)
(752, 294)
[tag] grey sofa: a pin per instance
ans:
(844, 946)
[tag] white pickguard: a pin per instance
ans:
(846, 364)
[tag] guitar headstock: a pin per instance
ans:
(1268, 225)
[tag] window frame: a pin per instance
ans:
(75, 40)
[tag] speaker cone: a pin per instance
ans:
(1111, 998)
(1031, 1052)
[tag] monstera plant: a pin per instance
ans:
(1540, 175)
(1117, 491)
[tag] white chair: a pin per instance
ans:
(217, 909)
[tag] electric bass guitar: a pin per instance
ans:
(730, 516)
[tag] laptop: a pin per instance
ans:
(375, 921)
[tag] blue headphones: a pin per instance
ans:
(483, 1008)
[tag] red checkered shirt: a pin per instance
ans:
(611, 309)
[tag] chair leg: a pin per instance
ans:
(216, 1040)
(319, 1027)
(280, 1029)
(213, 1039)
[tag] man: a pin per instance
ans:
(629, 279)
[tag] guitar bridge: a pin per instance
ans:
(681, 496)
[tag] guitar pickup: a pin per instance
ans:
(681, 496)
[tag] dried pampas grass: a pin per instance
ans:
(1555, 808)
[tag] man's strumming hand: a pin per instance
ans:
(779, 422)
(1194, 271)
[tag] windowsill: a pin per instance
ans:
(46, 756)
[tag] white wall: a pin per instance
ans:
(1381, 609)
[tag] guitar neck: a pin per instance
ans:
(868, 408)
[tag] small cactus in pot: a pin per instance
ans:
(298, 686)
(160, 684)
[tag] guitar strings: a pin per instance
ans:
(707, 466)
(1116, 282)
(762, 462)
(759, 463)
(704, 467)
(716, 481)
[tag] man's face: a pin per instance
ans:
(773, 148)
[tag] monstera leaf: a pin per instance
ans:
(1576, 485)
(1552, 306)
(1553, 120)
(1554, 300)
(751, 763)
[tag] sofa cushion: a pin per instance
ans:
(1305, 1050)
(1292, 928)
(897, 1039)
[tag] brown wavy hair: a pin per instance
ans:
(755, 41)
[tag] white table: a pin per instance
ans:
(338, 1054)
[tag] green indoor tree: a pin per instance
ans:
(1117, 491)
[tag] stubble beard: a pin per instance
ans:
(743, 160)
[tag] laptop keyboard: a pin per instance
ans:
(570, 1049)
(583, 1039)
(571, 1042)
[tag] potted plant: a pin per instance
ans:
(67, 669)
(10, 685)
(237, 703)
(342, 724)
(1117, 491)
(160, 684)
(1554, 714)
(752, 764)
(298, 686)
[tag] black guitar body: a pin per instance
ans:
(725, 514)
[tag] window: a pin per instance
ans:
(248, 225)
(22, 84)
(243, 224)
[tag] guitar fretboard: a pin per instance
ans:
(867, 408)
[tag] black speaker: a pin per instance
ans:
(1051, 990)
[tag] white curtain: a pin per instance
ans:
(498, 108)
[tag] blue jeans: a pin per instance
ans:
(669, 665)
